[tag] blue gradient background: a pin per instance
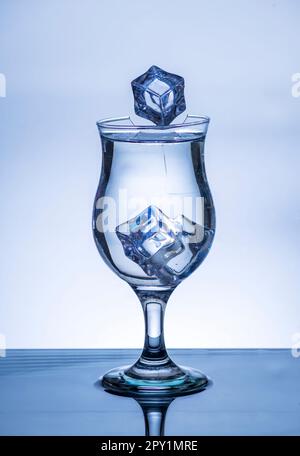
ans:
(68, 63)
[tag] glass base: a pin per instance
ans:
(180, 381)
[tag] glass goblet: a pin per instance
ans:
(153, 224)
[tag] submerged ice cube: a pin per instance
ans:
(161, 246)
(150, 239)
(158, 95)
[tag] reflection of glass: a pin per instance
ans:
(155, 410)
(153, 224)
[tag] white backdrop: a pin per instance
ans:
(68, 63)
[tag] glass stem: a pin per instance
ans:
(154, 345)
(154, 305)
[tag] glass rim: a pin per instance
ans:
(112, 123)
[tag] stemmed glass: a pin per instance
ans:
(153, 224)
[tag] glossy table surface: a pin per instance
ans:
(52, 392)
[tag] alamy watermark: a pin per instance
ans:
(296, 85)
(2, 346)
(160, 213)
(2, 85)
(295, 350)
